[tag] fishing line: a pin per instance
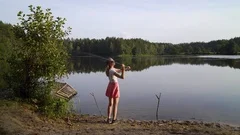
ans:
(103, 58)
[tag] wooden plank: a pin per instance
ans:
(66, 91)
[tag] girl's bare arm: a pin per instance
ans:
(123, 72)
(126, 69)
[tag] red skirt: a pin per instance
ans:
(113, 90)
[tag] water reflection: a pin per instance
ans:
(93, 64)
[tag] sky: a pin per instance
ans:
(172, 21)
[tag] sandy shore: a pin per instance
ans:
(16, 118)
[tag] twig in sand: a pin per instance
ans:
(80, 110)
(96, 103)
(158, 98)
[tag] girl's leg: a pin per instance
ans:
(110, 104)
(115, 107)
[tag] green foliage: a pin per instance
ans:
(231, 48)
(35, 52)
(54, 107)
(40, 58)
(112, 46)
(7, 39)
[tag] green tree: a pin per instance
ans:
(231, 48)
(7, 39)
(41, 57)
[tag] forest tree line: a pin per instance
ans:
(112, 46)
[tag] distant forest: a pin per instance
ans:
(112, 46)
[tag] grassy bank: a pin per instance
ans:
(22, 118)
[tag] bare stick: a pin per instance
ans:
(96, 103)
(158, 98)
(80, 110)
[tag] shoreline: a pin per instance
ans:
(166, 120)
(20, 118)
(187, 121)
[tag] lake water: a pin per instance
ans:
(200, 88)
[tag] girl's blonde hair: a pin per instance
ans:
(109, 60)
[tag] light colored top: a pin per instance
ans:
(111, 76)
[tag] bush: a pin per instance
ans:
(55, 107)
(39, 59)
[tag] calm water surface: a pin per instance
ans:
(201, 88)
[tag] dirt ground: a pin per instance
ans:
(21, 119)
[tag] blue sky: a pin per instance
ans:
(174, 21)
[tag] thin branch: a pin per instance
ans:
(158, 98)
(80, 110)
(96, 103)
